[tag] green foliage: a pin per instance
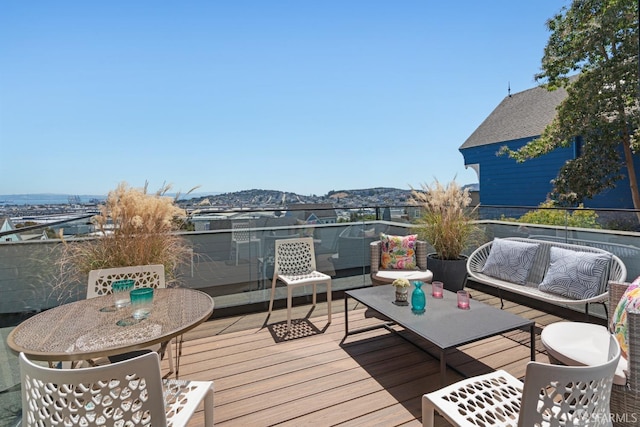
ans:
(598, 39)
(360, 216)
(548, 215)
(622, 224)
(25, 224)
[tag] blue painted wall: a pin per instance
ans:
(503, 181)
(620, 196)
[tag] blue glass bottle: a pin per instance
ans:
(418, 300)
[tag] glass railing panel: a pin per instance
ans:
(241, 273)
(28, 277)
(238, 273)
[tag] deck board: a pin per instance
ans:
(371, 378)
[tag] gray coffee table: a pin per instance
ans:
(442, 324)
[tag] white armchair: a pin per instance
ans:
(550, 395)
(123, 393)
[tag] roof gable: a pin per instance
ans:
(521, 115)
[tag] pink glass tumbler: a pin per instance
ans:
(463, 300)
(436, 289)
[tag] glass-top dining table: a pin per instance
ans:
(88, 329)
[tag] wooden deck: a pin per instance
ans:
(372, 378)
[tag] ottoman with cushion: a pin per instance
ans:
(576, 343)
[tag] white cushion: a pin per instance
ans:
(391, 275)
(578, 343)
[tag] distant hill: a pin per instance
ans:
(254, 197)
(376, 191)
(265, 198)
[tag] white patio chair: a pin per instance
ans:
(551, 395)
(295, 265)
(241, 235)
(145, 276)
(130, 392)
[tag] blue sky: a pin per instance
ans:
(301, 96)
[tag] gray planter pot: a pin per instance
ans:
(451, 272)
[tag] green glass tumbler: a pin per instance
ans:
(141, 302)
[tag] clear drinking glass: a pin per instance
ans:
(120, 290)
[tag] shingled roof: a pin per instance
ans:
(521, 115)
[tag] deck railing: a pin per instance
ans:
(237, 273)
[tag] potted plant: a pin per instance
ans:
(402, 290)
(447, 223)
(133, 228)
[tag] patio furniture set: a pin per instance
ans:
(578, 390)
(86, 330)
(595, 378)
(591, 383)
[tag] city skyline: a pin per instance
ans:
(301, 97)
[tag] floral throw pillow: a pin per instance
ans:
(398, 252)
(630, 301)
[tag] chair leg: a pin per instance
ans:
(329, 301)
(586, 312)
(315, 286)
(427, 412)
(169, 353)
(273, 292)
(289, 292)
(208, 408)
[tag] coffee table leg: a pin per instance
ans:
(533, 341)
(346, 316)
(443, 368)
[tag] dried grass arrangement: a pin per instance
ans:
(134, 228)
(447, 222)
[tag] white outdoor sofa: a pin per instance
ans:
(615, 271)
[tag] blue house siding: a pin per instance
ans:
(620, 196)
(503, 181)
(518, 119)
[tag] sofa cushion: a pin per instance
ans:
(619, 326)
(398, 252)
(581, 343)
(510, 260)
(575, 274)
